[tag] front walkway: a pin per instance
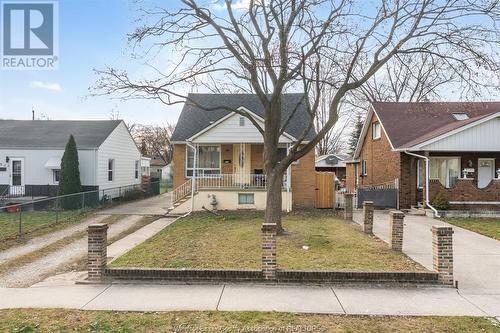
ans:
(476, 257)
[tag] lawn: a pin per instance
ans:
(203, 240)
(485, 226)
(35, 223)
(57, 320)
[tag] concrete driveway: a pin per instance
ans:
(157, 205)
(476, 257)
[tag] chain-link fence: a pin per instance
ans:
(24, 219)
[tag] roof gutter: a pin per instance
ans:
(427, 203)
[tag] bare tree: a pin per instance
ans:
(275, 46)
(154, 141)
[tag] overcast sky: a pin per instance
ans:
(92, 33)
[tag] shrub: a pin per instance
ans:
(69, 178)
(441, 201)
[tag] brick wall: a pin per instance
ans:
(408, 181)
(179, 164)
(350, 182)
(466, 190)
(304, 181)
(226, 153)
(383, 164)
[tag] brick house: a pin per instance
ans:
(224, 150)
(431, 147)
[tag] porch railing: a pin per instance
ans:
(241, 181)
(180, 192)
(222, 181)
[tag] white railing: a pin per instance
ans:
(180, 192)
(394, 184)
(228, 181)
(340, 199)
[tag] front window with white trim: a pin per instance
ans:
(111, 170)
(445, 169)
(207, 160)
(55, 175)
(364, 168)
(420, 173)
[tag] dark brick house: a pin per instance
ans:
(431, 147)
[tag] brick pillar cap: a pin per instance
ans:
(269, 226)
(442, 229)
(368, 203)
(396, 213)
(98, 227)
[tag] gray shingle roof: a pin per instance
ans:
(194, 119)
(51, 134)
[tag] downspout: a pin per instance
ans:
(427, 168)
(193, 177)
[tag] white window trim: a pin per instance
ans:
(112, 170)
(54, 176)
(446, 158)
(199, 145)
(420, 186)
(364, 168)
(379, 130)
(246, 204)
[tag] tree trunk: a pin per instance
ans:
(273, 200)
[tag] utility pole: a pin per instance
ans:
(32, 113)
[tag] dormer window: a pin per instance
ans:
(460, 116)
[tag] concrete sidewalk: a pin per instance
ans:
(247, 297)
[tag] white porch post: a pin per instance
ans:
(193, 177)
(288, 181)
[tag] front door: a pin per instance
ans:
(241, 165)
(16, 176)
(486, 172)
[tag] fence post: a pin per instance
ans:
(269, 264)
(57, 209)
(348, 211)
(20, 234)
(97, 250)
(396, 226)
(442, 253)
(368, 208)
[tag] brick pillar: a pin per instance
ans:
(348, 206)
(396, 226)
(97, 243)
(269, 251)
(368, 208)
(442, 253)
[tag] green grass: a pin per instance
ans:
(56, 320)
(484, 226)
(203, 240)
(35, 223)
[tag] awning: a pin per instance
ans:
(53, 163)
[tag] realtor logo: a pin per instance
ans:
(29, 34)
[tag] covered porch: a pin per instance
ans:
(230, 166)
(462, 180)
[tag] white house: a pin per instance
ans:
(31, 152)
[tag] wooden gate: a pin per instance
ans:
(325, 189)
